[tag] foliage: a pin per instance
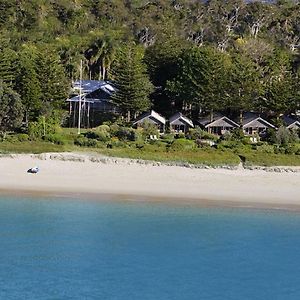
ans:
(197, 134)
(11, 109)
(55, 139)
(132, 83)
(284, 136)
(45, 126)
(149, 129)
(85, 142)
(182, 144)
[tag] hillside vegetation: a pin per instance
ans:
(193, 56)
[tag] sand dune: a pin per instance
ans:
(83, 174)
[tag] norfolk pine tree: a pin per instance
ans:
(131, 81)
(11, 109)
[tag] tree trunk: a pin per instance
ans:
(211, 115)
(100, 73)
(241, 117)
(128, 116)
(103, 73)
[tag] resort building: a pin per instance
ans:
(219, 125)
(152, 117)
(291, 122)
(96, 96)
(180, 123)
(255, 125)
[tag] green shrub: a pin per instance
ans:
(102, 136)
(149, 129)
(35, 130)
(198, 133)
(44, 126)
(292, 149)
(116, 143)
(270, 136)
(264, 148)
(182, 144)
(83, 141)
(55, 139)
(227, 136)
(103, 127)
(278, 149)
(22, 137)
(203, 143)
(238, 134)
(138, 135)
(180, 135)
(230, 144)
(125, 134)
(168, 137)
(114, 128)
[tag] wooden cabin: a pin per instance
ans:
(255, 125)
(291, 122)
(152, 117)
(180, 123)
(221, 125)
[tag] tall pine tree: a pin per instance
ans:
(131, 80)
(28, 85)
(54, 84)
(11, 109)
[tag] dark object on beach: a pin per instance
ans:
(33, 170)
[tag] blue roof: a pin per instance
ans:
(93, 90)
(89, 86)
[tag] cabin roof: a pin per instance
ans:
(92, 91)
(254, 121)
(182, 118)
(207, 119)
(223, 121)
(291, 121)
(89, 86)
(153, 115)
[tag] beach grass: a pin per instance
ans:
(34, 147)
(254, 158)
(198, 156)
(209, 157)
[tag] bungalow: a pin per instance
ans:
(221, 125)
(152, 117)
(180, 123)
(96, 96)
(253, 124)
(291, 122)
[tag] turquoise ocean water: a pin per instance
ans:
(84, 249)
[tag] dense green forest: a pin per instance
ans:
(172, 55)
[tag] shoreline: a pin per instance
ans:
(89, 176)
(135, 198)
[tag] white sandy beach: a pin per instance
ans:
(60, 175)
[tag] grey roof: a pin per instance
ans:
(88, 86)
(152, 115)
(207, 119)
(291, 121)
(248, 117)
(92, 91)
(253, 122)
(223, 121)
(179, 116)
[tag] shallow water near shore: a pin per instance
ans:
(85, 249)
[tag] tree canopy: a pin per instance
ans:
(198, 55)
